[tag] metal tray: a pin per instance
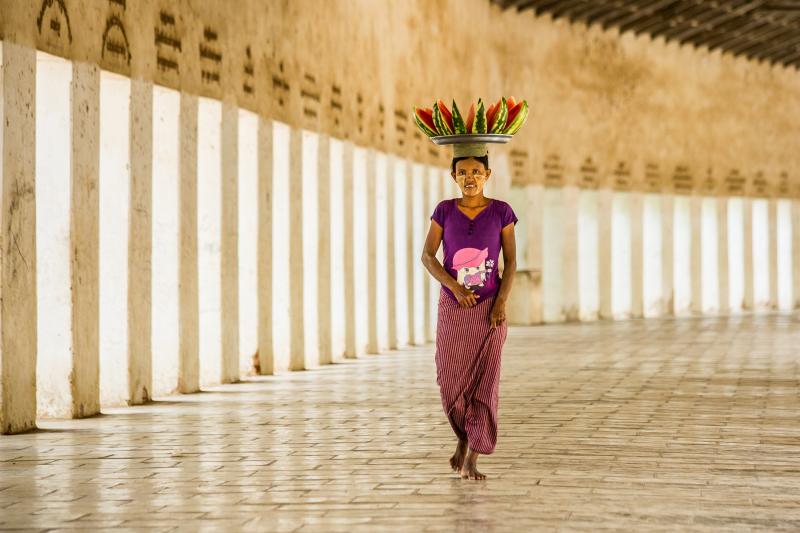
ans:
(472, 138)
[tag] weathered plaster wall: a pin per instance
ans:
(622, 111)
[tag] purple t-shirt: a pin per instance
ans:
(472, 246)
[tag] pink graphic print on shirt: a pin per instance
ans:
(471, 267)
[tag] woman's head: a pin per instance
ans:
(471, 173)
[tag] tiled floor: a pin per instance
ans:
(690, 424)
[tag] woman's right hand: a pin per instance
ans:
(465, 297)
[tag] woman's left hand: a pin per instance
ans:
(497, 316)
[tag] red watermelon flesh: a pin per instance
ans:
(490, 114)
(513, 112)
(470, 118)
(510, 102)
(426, 115)
(446, 115)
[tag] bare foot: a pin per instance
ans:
(457, 461)
(469, 470)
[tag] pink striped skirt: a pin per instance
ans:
(468, 370)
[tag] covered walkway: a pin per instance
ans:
(642, 425)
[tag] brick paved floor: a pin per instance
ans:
(690, 424)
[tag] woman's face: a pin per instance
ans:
(471, 176)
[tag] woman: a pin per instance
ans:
(471, 326)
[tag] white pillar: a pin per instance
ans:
(722, 254)
(668, 253)
(266, 356)
(772, 228)
(370, 250)
(587, 254)
(115, 190)
(416, 214)
(637, 253)
(570, 280)
(247, 241)
(381, 251)
(434, 187)
(140, 378)
(747, 241)
(350, 295)
(54, 361)
(297, 348)
(604, 253)
(796, 252)
(85, 207)
(188, 277)
(533, 253)
(391, 240)
(402, 278)
(696, 247)
(324, 230)
(229, 244)
(553, 254)
(166, 240)
(408, 238)
(17, 239)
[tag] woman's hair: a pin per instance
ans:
(483, 159)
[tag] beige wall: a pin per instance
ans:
(628, 112)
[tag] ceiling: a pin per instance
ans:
(761, 30)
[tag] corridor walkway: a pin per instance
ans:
(687, 424)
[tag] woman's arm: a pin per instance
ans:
(464, 296)
(509, 244)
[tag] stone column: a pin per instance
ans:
(722, 255)
(416, 210)
(349, 251)
(391, 238)
(637, 253)
(140, 374)
(324, 223)
(84, 237)
(296, 274)
(18, 239)
(668, 254)
(266, 357)
(696, 236)
(533, 252)
(371, 250)
(773, 252)
(747, 247)
(570, 281)
(432, 189)
(408, 235)
(605, 197)
(229, 243)
(796, 252)
(188, 302)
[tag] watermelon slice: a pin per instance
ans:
(480, 118)
(459, 127)
(446, 114)
(470, 118)
(426, 116)
(490, 115)
(510, 102)
(513, 111)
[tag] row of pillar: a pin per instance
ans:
(349, 261)
(617, 228)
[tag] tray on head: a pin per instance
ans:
(472, 138)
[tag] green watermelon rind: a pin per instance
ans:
(441, 124)
(519, 120)
(459, 126)
(500, 117)
(480, 118)
(424, 127)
